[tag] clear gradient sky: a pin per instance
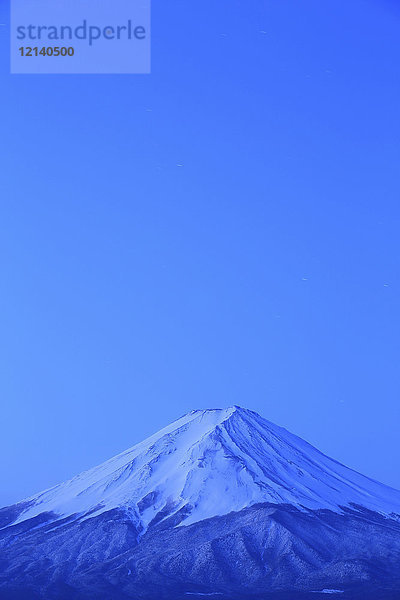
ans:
(263, 271)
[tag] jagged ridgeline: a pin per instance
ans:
(220, 503)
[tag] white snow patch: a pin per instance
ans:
(202, 594)
(329, 592)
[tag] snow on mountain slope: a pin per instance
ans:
(212, 462)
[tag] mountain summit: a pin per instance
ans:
(219, 503)
(209, 463)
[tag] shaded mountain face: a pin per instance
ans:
(221, 502)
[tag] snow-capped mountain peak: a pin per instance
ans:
(210, 463)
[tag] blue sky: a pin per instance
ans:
(223, 231)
